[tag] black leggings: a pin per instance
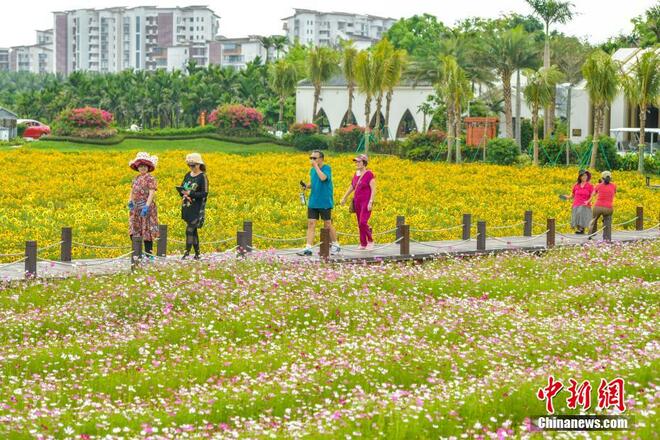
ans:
(192, 237)
(148, 246)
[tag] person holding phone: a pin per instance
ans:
(321, 201)
(193, 191)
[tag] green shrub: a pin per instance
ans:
(523, 160)
(502, 151)
(630, 162)
(311, 142)
(424, 146)
(120, 138)
(158, 132)
(472, 154)
(20, 128)
(553, 152)
(607, 156)
(527, 135)
(385, 146)
(347, 138)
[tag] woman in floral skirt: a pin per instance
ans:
(143, 217)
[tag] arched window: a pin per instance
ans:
(323, 122)
(348, 119)
(406, 126)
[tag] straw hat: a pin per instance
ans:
(194, 158)
(605, 174)
(143, 158)
(361, 157)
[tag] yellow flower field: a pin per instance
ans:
(44, 191)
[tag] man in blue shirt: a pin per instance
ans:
(321, 201)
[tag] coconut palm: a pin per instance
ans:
(267, 43)
(283, 80)
(550, 11)
(395, 68)
(508, 50)
(279, 43)
(321, 65)
(601, 73)
(367, 69)
(538, 93)
(456, 91)
(642, 87)
(348, 58)
(383, 53)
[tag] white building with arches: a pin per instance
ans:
(404, 110)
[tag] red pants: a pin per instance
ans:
(363, 214)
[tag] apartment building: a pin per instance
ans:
(35, 59)
(4, 59)
(329, 28)
(237, 52)
(141, 38)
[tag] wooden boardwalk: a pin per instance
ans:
(349, 254)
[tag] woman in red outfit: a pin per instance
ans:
(364, 186)
(143, 217)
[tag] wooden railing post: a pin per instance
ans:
(550, 235)
(137, 252)
(324, 248)
(161, 246)
(481, 235)
(639, 223)
(467, 225)
(247, 228)
(30, 259)
(66, 245)
(404, 244)
(400, 220)
(240, 242)
(527, 230)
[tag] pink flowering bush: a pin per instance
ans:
(237, 120)
(347, 138)
(86, 122)
(303, 128)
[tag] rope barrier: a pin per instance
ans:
(17, 254)
(13, 262)
(626, 222)
(643, 230)
(509, 242)
(431, 231)
(263, 237)
(49, 247)
(95, 246)
(440, 247)
(506, 227)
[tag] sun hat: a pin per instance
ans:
(582, 172)
(361, 157)
(194, 158)
(605, 174)
(143, 158)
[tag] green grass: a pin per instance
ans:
(157, 145)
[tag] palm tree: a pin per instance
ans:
(279, 43)
(550, 11)
(267, 43)
(642, 87)
(349, 56)
(538, 93)
(396, 66)
(601, 73)
(365, 72)
(508, 50)
(283, 80)
(456, 91)
(383, 52)
(427, 109)
(321, 65)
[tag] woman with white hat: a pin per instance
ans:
(194, 191)
(604, 206)
(143, 217)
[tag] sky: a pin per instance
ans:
(596, 20)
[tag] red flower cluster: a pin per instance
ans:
(236, 116)
(89, 117)
(350, 128)
(304, 128)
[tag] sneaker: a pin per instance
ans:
(306, 253)
(185, 255)
(370, 246)
(196, 257)
(362, 248)
(335, 249)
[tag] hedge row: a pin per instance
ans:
(121, 138)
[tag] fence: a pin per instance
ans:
(402, 232)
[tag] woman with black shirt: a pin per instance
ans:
(194, 190)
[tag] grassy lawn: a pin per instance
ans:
(260, 348)
(157, 145)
